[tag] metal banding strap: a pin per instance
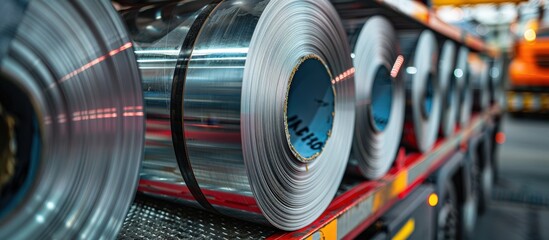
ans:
(176, 107)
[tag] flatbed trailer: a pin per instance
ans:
(358, 205)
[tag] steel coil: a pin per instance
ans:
(448, 88)
(465, 90)
(379, 95)
(480, 73)
(497, 81)
(250, 106)
(423, 95)
(70, 101)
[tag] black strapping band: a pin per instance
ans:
(176, 106)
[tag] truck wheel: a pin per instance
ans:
(448, 215)
(486, 178)
(472, 190)
(477, 178)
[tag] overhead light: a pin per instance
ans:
(530, 35)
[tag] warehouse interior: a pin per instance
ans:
(274, 119)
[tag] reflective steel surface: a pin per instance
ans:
(497, 83)
(481, 83)
(465, 89)
(380, 91)
(423, 95)
(236, 76)
(448, 82)
(73, 62)
(158, 32)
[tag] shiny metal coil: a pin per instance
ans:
(497, 83)
(423, 95)
(250, 106)
(481, 83)
(464, 85)
(71, 87)
(448, 88)
(379, 94)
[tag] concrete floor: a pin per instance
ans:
(520, 208)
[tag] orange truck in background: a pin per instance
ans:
(529, 72)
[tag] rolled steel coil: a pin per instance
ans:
(448, 88)
(480, 82)
(380, 96)
(497, 81)
(71, 104)
(423, 95)
(465, 90)
(250, 106)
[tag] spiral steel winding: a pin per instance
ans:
(250, 106)
(480, 83)
(497, 83)
(70, 97)
(379, 93)
(448, 88)
(464, 85)
(423, 95)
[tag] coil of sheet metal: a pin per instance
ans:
(379, 94)
(250, 106)
(448, 88)
(497, 82)
(423, 96)
(465, 90)
(71, 102)
(480, 81)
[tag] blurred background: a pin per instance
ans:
(520, 206)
